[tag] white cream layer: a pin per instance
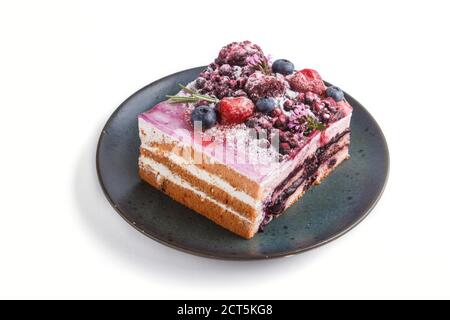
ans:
(209, 178)
(164, 172)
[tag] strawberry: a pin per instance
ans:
(235, 110)
(311, 74)
(307, 80)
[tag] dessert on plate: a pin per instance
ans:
(246, 139)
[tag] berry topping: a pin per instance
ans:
(336, 93)
(310, 97)
(301, 97)
(276, 112)
(288, 105)
(240, 93)
(281, 122)
(226, 70)
(307, 80)
(200, 82)
(240, 54)
(285, 148)
(266, 105)
(283, 66)
(206, 115)
(235, 110)
(260, 85)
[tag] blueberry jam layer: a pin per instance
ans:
(308, 171)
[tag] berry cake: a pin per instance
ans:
(246, 139)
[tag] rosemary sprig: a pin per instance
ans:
(192, 98)
(264, 67)
(312, 124)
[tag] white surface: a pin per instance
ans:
(66, 65)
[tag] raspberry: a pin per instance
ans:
(235, 110)
(307, 80)
(263, 86)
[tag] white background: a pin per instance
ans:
(66, 65)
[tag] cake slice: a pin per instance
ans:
(246, 139)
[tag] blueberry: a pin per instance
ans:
(206, 115)
(266, 105)
(283, 66)
(335, 93)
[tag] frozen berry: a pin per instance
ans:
(318, 106)
(336, 93)
(201, 103)
(329, 103)
(235, 110)
(237, 71)
(260, 85)
(293, 142)
(281, 121)
(266, 105)
(242, 81)
(225, 81)
(301, 97)
(307, 80)
(200, 83)
(283, 136)
(226, 70)
(251, 123)
(239, 93)
(285, 148)
(283, 66)
(265, 124)
(239, 53)
(206, 115)
(276, 112)
(309, 98)
(288, 105)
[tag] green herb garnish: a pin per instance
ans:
(193, 97)
(312, 124)
(264, 67)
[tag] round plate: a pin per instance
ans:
(326, 212)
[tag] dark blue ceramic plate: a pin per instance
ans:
(325, 213)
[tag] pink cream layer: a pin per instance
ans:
(171, 120)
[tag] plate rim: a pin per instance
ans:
(234, 257)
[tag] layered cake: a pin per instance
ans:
(246, 139)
